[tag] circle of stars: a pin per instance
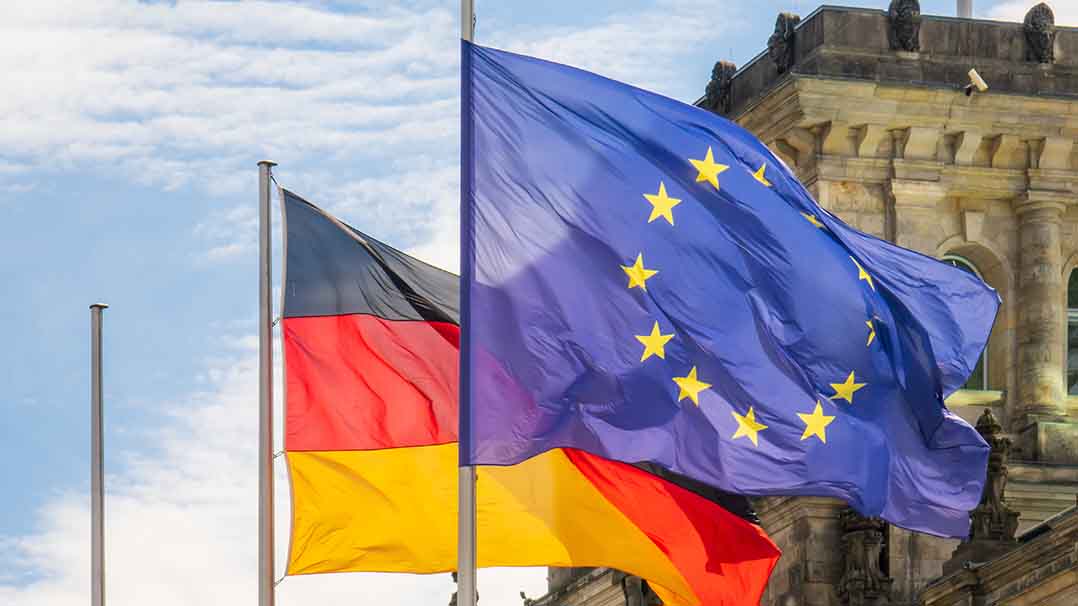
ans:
(691, 385)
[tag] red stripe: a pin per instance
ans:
(361, 382)
(725, 559)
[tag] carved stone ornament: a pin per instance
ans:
(992, 523)
(780, 46)
(717, 96)
(904, 17)
(993, 520)
(1040, 27)
(863, 581)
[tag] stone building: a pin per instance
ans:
(871, 109)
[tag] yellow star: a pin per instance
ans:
(871, 332)
(654, 343)
(747, 426)
(845, 389)
(812, 219)
(637, 273)
(862, 274)
(690, 387)
(816, 423)
(662, 204)
(759, 175)
(707, 169)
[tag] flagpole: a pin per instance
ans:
(97, 462)
(466, 564)
(265, 391)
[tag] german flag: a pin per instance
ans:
(371, 342)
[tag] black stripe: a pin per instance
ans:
(334, 269)
(739, 505)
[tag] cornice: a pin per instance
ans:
(778, 513)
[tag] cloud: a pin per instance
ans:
(645, 48)
(1066, 12)
(360, 109)
(233, 233)
(192, 92)
(171, 95)
(181, 522)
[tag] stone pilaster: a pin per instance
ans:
(916, 203)
(809, 532)
(1040, 310)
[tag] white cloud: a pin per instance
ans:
(194, 92)
(361, 111)
(642, 48)
(233, 232)
(1066, 11)
(182, 529)
(168, 95)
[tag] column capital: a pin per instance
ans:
(917, 192)
(1052, 203)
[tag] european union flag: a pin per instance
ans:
(646, 281)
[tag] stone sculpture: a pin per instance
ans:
(1040, 27)
(717, 95)
(993, 519)
(637, 592)
(780, 46)
(904, 17)
(863, 582)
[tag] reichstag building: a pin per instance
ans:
(876, 113)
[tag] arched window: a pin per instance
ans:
(1072, 334)
(979, 378)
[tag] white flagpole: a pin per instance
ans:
(265, 391)
(97, 462)
(466, 575)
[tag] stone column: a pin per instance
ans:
(808, 531)
(1040, 310)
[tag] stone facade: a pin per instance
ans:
(889, 140)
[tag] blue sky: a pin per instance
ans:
(130, 133)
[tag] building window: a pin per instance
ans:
(979, 378)
(1072, 334)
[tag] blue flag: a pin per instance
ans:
(646, 281)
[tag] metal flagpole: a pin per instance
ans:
(97, 462)
(466, 575)
(265, 391)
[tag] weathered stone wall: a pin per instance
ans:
(807, 530)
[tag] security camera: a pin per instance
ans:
(975, 82)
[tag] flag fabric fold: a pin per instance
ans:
(371, 342)
(655, 285)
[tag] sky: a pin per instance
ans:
(129, 136)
